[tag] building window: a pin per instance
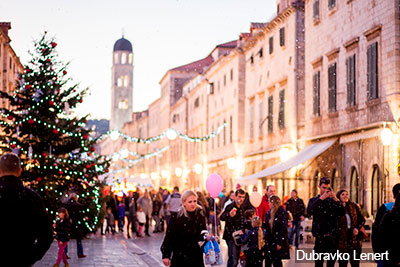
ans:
(130, 58)
(123, 104)
(126, 81)
(224, 80)
(316, 94)
(116, 58)
(251, 121)
(224, 133)
(260, 118)
(120, 81)
(211, 88)
(376, 190)
(351, 80)
(354, 186)
(270, 113)
(372, 71)
(231, 74)
(282, 36)
(261, 52)
(316, 10)
(251, 59)
(281, 115)
(123, 58)
(331, 4)
(10, 63)
(196, 102)
(230, 129)
(271, 45)
(332, 87)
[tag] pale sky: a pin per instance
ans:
(164, 34)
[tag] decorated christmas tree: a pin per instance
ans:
(57, 154)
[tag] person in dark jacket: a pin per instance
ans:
(254, 239)
(62, 228)
(324, 209)
(349, 225)
(296, 207)
(157, 204)
(185, 230)
(74, 209)
(25, 226)
(276, 228)
(377, 246)
(389, 233)
(233, 215)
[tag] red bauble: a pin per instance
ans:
(53, 44)
(44, 154)
(107, 170)
(80, 100)
(9, 117)
(39, 179)
(87, 166)
(85, 136)
(89, 154)
(60, 172)
(64, 72)
(13, 146)
(28, 70)
(85, 121)
(55, 131)
(51, 102)
(48, 60)
(93, 149)
(44, 50)
(31, 121)
(86, 219)
(28, 86)
(93, 164)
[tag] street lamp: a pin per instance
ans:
(114, 135)
(198, 168)
(231, 162)
(386, 136)
(178, 172)
(171, 134)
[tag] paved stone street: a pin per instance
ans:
(119, 251)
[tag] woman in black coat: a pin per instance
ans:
(186, 231)
(277, 239)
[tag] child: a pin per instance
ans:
(110, 221)
(248, 216)
(141, 217)
(121, 216)
(254, 239)
(62, 228)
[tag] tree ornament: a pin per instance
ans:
(51, 102)
(28, 86)
(9, 117)
(87, 166)
(80, 100)
(30, 153)
(13, 146)
(31, 121)
(53, 44)
(85, 136)
(93, 149)
(39, 179)
(44, 154)
(60, 172)
(55, 131)
(64, 72)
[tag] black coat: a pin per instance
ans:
(232, 224)
(74, 210)
(63, 230)
(324, 213)
(26, 231)
(181, 241)
(389, 235)
(278, 235)
(157, 204)
(377, 246)
(296, 208)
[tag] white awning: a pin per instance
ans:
(307, 153)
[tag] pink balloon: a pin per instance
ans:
(255, 199)
(214, 185)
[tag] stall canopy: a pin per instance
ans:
(307, 153)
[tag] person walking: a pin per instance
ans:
(74, 208)
(62, 227)
(146, 205)
(349, 226)
(389, 233)
(324, 209)
(296, 207)
(254, 239)
(276, 227)
(157, 205)
(173, 203)
(233, 215)
(132, 218)
(110, 227)
(25, 226)
(264, 206)
(185, 230)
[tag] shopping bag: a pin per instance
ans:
(218, 254)
(209, 257)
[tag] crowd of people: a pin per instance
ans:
(263, 234)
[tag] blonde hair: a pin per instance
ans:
(186, 195)
(276, 203)
(256, 222)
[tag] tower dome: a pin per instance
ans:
(123, 45)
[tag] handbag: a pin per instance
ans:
(209, 253)
(236, 237)
(218, 254)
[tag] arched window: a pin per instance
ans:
(123, 58)
(115, 58)
(120, 81)
(123, 104)
(130, 58)
(376, 190)
(354, 186)
(126, 81)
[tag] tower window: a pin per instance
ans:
(123, 104)
(120, 80)
(115, 58)
(123, 58)
(130, 58)
(126, 81)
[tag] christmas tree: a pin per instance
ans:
(57, 155)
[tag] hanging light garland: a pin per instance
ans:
(170, 133)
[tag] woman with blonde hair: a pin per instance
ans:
(186, 233)
(254, 238)
(277, 239)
